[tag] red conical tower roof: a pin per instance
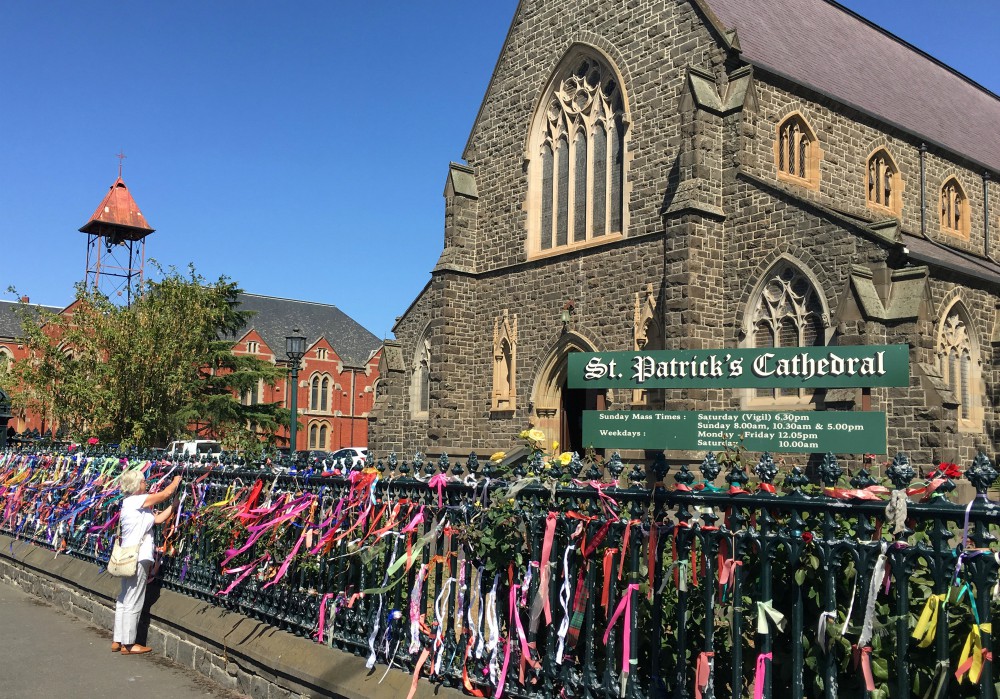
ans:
(118, 217)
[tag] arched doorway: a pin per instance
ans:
(558, 409)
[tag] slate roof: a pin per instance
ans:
(275, 318)
(10, 322)
(824, 46)
(935, 254)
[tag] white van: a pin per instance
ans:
(195, 449)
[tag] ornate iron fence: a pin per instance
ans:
(564, 578)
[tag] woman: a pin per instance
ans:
(137, 519)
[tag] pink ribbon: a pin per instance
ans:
(288, 560)
(760, 674)
(417, 520)
(294, 508)
(625, 605)
(439, 481)
(322, 615)
(244, 571)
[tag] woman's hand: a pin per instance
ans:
(163, 515)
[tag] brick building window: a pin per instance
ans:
(796, 152)
(504, 363)
(957, 359)
(577, 158)
(6, 359)
(253, 347)
(883, 185)
(251, 397)
(319, 393)
(954, 209)
(786, 311)
(420, 387)
(321, 353)
(318, 435)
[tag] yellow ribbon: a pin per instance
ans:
(973, 655)
(225, 501)
(928, 622)
(765, 611)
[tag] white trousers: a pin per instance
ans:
(128, 607)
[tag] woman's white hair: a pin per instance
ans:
(130, 482)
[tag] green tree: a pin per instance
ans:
(149, 372)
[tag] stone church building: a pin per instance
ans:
(694, 174)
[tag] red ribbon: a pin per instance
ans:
(702, 673)
(863, 656)
(543, 578)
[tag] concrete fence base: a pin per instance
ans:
(233, 650)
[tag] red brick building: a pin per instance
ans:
(337, 376)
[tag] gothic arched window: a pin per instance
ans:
(957, 356)
(796, 152)
(420, 387)
(577, 158)
(954, 209)
(883, 186)
(786, 311)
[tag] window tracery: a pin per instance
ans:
(959, 365)
(954, 209)
(786, 312)
(882, 182)
(796, 152)
(579, 170)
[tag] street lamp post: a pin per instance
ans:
(295, 348)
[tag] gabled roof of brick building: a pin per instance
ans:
(10, 321)
(118, 210)
(826, 47)
(275, 318)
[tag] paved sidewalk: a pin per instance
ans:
(48, 653)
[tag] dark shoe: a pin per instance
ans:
(136, 649)
(115, 647)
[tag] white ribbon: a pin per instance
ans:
(765, 612)
(821, 628)
(850, 607)
(565, 591)
(439, 614)
(876, 582)
(370, 663)
(493, 624)
(475, 597)
(415, 609)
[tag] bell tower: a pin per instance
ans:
(116, 243)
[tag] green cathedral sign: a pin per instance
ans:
(778, 367)
(757, 430)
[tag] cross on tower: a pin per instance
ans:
(121, 157)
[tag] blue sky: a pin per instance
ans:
(298, 148)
